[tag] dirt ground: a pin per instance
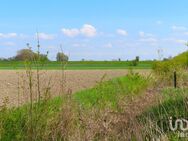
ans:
(14, 85)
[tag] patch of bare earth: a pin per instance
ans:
(14, 84)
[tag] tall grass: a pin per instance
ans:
(164, 70)
(31, 121)
(105, 112)
(172, 103)
(63, 118)
(108, 94)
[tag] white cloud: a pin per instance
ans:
(78, 45)
(8, 35)
(71, 32)
(88, 30)
(181, 41)
(178, 28)
(168, 39)
(150, 40)
(51, 47)
(159, 22)
(147, 38)
(8, 44)
(122, 32)
(173, 40)
(141, 34)
(109, 45)
(23, 36)
(145, 35)
(45, 36)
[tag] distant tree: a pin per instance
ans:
(114, 60)
(165, 59)
(62, 57)
(44, 57)
(137, 58)
(25, 54)
(135, 61)
(119, 59)
(170, 57)
(3, 59)
(29, 55)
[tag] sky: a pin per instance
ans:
(95, 29)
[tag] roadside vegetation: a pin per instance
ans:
(68, 116)
(160, 120)
(133, 107)
(108, 94)
(172, 106)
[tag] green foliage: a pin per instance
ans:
(25, 54)
(135, 62)
(175, 64)
(164, 70)
(29, 55)
(51, 118)
(172, 103)
(61, 57)
(14, 123)
(108, 93)
(137, 58)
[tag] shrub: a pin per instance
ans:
(29, 55)
(62, 57)
(165, 69)
(135, 61)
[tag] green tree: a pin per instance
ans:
(62, 57)
(29, 55)
(137, 59)
(25, 54)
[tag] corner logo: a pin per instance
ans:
(181, 123)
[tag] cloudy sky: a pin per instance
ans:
(95, 29)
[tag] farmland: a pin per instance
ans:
(112, 100)
(94, 70)
(76, 80)
(78, 65)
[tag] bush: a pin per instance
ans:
(62, 57)
(134, 63)
(165, 69)
(29, 55)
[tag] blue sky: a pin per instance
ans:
(95, 29)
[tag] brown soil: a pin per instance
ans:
(14, 84)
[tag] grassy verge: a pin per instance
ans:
(109, 93)
(65, 118)
(172, 105)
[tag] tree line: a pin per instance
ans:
(30, 55)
